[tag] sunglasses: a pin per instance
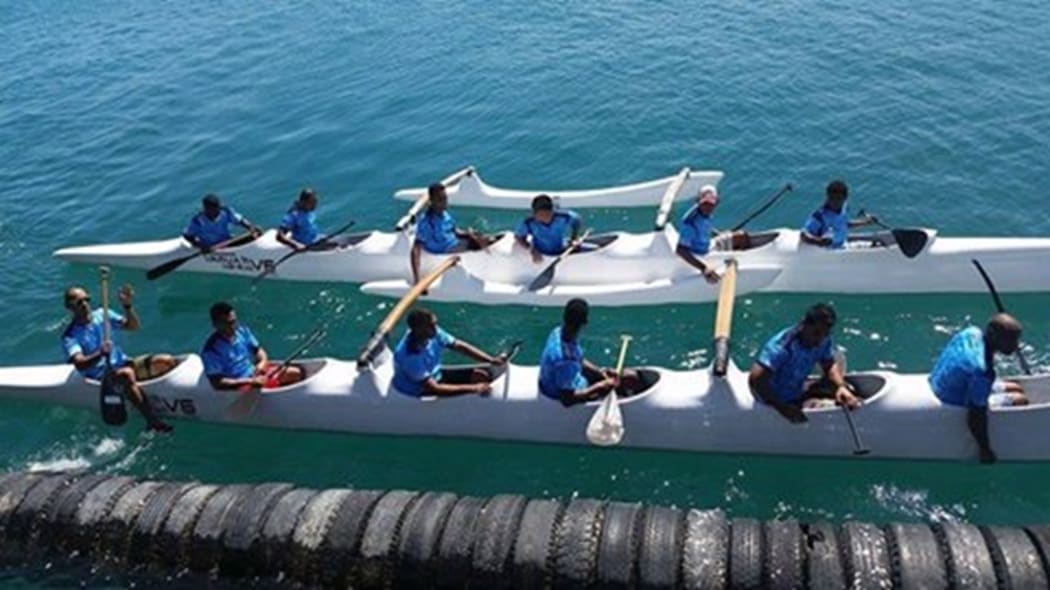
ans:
(78, 301)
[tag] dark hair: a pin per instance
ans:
(575, 313)
(220, 310)
(543, 203)
(306, 193)
(821, 313)
(211, 200)
(418, 318)
(434, 189)
(837, 188)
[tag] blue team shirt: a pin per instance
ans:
(550, 238)
(212, 231)
(791, 362)
(824, 221)
(695, 232)
(413, 366)
(230, 358)
(561, 366)
(87, 339)
(960, 377)
(301, 224)
(437, 232)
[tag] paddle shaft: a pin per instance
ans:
(162, 269)
(422, 201)
(724, 318)
(103, 272)
(1002, 309)
(769, 203)
(372, 347)
(317, 334)
(320, 241)
(669, 196)
(544, 278)
(858, 447)
(625, 341)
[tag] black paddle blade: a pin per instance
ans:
(111, 400)
(160, 270)
(911, 241)
(544, 279)
(861, 452)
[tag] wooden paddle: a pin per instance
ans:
(911, 241)
(669, 196)
(111, 400)
(375, 344)
(545, 277)
(605, 427)
(724, 319)
(1002, 309)
(162, 269)
(314, 246)
(410, 217)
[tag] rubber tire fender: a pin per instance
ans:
(25, 520)
(61, 518)
(618, 548)
(576, 545)
(244, 525)
(494, 535)
(275, 538)
(533, 545)
(969, 562)
(746, 554)
(339, 523)
(824, 561)
(420, 534)
(1016, 559)
(373, 567)
(456, 547)
(141, 546)
(13, 490)
(204, 544)
(660, 549)
(915, 557)
(785, 561)
(1040, 536)
(867, 556)
(705, 551)
(90, 519)
(181, 519)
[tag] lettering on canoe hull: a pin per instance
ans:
(172, 407)
(238, 262)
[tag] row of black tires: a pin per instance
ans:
(401, 539)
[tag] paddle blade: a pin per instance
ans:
(111, 400)
(911, 241)
(160, 270)
(606, 426)
(544, 279)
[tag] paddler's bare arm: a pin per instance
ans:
(843, 394)
(231, 383)
(417, 250)
(433, 387)
(476, 353)
(284, 237)
(261, 358)
(808, 239)
(977, 420)
(687, 255)
(759, 382)
(131, 317)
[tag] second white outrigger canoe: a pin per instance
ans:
(679, 410)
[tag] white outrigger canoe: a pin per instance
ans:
(680, 410)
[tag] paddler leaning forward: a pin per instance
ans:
(696, 230)
(965, 375)
(566, 375)
(417, 361)
(84, 344)
(778, 375)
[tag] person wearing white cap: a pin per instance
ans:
(696, 230)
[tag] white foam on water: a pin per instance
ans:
(916, 504)
(62, 464)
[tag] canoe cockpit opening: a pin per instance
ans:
(866, 386)
(753, 241)
(149, 371)
(820, 393)
(1036, 389)
(647, 378)
(310, 369)
(594, 243)
(350, 240)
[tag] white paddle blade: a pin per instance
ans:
(606, 426)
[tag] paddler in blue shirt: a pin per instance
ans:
(565, 375)
(546, 231)
(965, 375)
(778, 375)
(436, 231)
(211, 225)
(829, 226)
(84, 345)
(695, 231)
(233, 358)
(417, 361)
(298, 228)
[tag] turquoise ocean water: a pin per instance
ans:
(116, 117)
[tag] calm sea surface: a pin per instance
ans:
(116, 117)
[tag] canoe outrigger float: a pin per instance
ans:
(678, 410)
(622, 268)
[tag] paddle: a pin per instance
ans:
(421, 202)
(374, 345)
(246, 402)
(545, 277)
(1002, 309)
(911, 241)
(162, 269)
(110, 393)
(314, 246)
(606, 428)
(724, 319)
(858, 447)
(787, 188)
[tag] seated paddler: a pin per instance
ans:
(437, 233)
(964, 375)
(234, 359)
(547, 231)
(778, 376)
(565, 373)
(829, 226)
(211, 226)
(298, 229)
(417, 361)
(696, 230)
(84, 345)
